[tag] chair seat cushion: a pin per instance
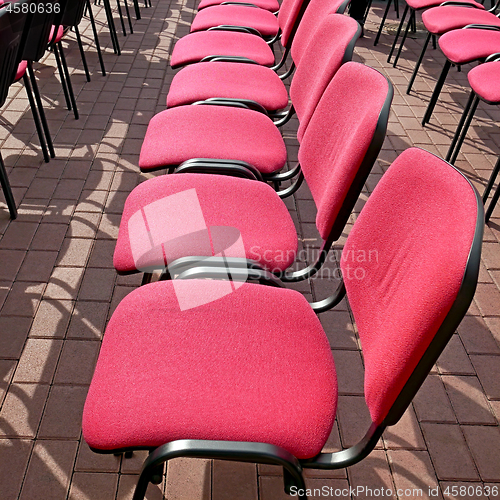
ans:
(425, 4)
(225, 370)
(464, 46)
(266, 229)
(484, 79)
(195, 46)
(270, 5)
(234, 80)
(21, 70)
(178, 134)
(236, 15)
(439, 20)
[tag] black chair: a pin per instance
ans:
(11, 31)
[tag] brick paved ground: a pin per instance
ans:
(58, 287)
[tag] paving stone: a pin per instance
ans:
(449, 452)
(14, 456)
(484, 443)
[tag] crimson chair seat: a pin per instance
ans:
(60, 34)
(272, 381)
(195, 46)
(237, 15)
(21, 70)
(467, 45)
(271, 5)
(253, 208)
(440, 20)
(178, 134)
(233, 80)
(484, 79)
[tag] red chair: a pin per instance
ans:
(270, 5)
(417, 5)
(11, 30)
(450, 16)
(245, 45)
(472, 43)
(483, 80)
(192, 368)
(213, 130)
(261, 84)
(336, 154)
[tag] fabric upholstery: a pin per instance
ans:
(425, 4)
(236, 15)
(60, 34)
(484, 79)
(338, 136)
(403, 265)
(178, 134)
(201, 81)
(467, 45)
(253, 208)
(195, 46)
(226, 370)
(21, 70)
(287, 17)
(271, 5)
(439, 20)
(316, 11)
(322, 59)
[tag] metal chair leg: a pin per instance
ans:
(121, 17)
(454, 146)
(397, 34)
(437, 91)
(112, 28)
(496, 195)
(419, 62)
(7, 191)
(82, 53)
(128, 16)
(491, 182)
(36, 118)
(41, 111)
(382, 22)
(63, 79)
(68, 80)
(412, 16)
(137, 9)
(96, 38)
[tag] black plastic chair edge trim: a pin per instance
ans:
(231, 274)
(455, 3)
(244, 4)
(229, 101)
(490, 27)
(349, 456)
(349, 50)
(449, 324)
(238, 29)
(283, 176)
(493, 57)
(222, 58)
(215, 165)
(220, 450)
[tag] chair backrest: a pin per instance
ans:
(11, 30)
(331, 46)
(39, 22)
(410, 267)
(316, 11)
(294, 14)
(342, 141)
